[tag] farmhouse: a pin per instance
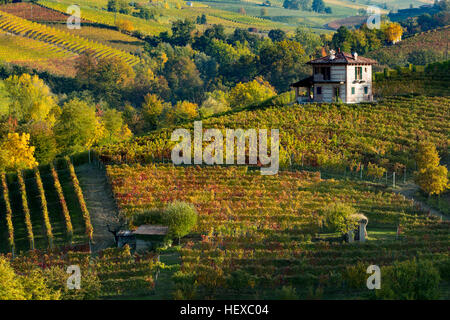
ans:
(337, 77)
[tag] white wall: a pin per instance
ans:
(359, 95)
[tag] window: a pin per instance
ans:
(353, 90)
(324, 71)
(358, 73)
(366, 90)
(319, 90)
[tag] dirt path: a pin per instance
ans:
(409, 190)
(100, 204)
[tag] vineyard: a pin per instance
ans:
(93, 12)
(431, 80)
(434, 40)
(42, 208)
(62, 39)
(33, 12)
(327, 136)
(113, 273)
(256, 233)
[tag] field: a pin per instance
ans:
(331, 137)
(66, 224)
(36, 54)
(111, 38)
(254, 232)
(433, 40)
(33, 12)
(431, 80)
(116, 272)
(62, 39)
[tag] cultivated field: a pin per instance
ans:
(254, 232)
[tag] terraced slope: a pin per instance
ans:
(19, 48)
(62, 39)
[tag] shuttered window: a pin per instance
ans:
(358, 73)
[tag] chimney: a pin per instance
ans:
(332, 54)
(355, 56)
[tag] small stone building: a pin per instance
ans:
(145, 237)
(150, 237)
(337, 77)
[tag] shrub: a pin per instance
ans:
(409, 280)
(286, 293)
(180, 217)
(339, 218)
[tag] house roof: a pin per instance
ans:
(151, 230)
(342, 58)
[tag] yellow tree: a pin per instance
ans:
(431, 177)
(125, 25)
(31, 286)
(394, 32)
(31, 99)
(427, 155)
(253, 92)
(17, 154)
(186, 110)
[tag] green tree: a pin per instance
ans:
(282, 63)
(318, 6)
(310, 41)
(43, 139)
(277, 35)
(340, 217)
(152, 109)
(107, 77)
(77, 128)
(182, 32)
(180, 217)
(114, 125)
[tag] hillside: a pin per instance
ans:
(53, 37)
(433, 41)
(251, 241)
(59, 204)
(431, 80)
(328, 136)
